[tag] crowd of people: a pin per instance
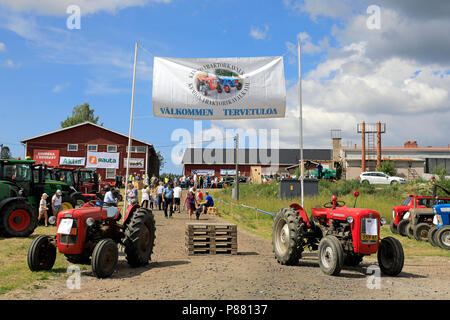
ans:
(165, 194)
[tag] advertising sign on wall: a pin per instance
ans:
(103, 160)
(134, 163)
(222, 88)
(227, 172)
(203, 172)
(72, 161)
(48, 157)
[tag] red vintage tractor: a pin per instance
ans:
(342, 235)
(91, 234)
(206, 84)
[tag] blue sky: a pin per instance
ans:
(351, 73)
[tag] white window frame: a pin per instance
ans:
(107, 148)
(92, 145)
(134, 149)
(72, 144)
(109, 177)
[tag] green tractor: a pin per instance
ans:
(21, 186)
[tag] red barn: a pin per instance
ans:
(69, 147)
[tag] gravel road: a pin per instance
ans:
(252, 274)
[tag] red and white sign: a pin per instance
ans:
(48, 157)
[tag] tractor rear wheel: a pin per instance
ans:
(104, 258)
(140, 238)
(421, 231)
(79, 199)
(18, 219)
(432, 236)
(352, 260)
(287, 240)
(401, 227)
(219, 89)
(41, 254)
(68, 203)
(239, 86)
(393, 227)
(390, 256)
(443, 237)
(331, 255)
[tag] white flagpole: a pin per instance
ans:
(130, 132)
(300, 118)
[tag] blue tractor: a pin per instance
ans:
(230, 82)
(439, 234)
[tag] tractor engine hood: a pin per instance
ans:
(344, 212)
(83, 213)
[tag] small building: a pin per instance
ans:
(411, 161)
(252, 162)
(88, 145)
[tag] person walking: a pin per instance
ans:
(145, 197)
(159, 193)
(177, 198)
(167, 196)
(57, 202)
(43, 209)
(189, 203)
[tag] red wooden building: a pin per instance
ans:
(69, 147)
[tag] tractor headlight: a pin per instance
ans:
(350, 219)
(90, 222)
(383, 221)
(52, 220)
(406, 216)
(393, 214)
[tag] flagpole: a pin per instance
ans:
(300, 119)
(130, 131)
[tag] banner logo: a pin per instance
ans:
(92, 160)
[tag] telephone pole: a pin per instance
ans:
(237, 167)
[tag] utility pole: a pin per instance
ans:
(237, 167)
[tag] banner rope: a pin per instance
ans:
(248, 207)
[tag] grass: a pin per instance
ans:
(264, 197)
(14, 271)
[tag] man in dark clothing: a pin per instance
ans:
(319, 171)
(209, 202)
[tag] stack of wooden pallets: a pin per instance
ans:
(211, 238)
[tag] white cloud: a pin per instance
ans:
(60, 87)
(59, 7)
(10, 64)
(259, 34)
(2, 46)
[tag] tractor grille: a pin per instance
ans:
(69, 239)
(369, 230)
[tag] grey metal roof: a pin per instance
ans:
(254, 156)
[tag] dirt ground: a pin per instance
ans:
(252, 274)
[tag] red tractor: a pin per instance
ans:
(206, 84)
(91, 234)
(342, 235)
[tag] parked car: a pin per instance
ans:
(379, 178)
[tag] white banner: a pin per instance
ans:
(227, 172)
(135, 163)
(220, 88)
(71, 161)
(103, 160)
(203, 172)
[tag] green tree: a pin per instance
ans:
(387, 167)
(162, 162)
(80, 114)
(5, 152)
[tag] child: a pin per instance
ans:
(43, 209)
(145, 198)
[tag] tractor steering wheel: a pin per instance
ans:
(329, 205)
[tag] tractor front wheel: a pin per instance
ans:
(41, 254)
(140, 237)
(331, 255)
(17, 219)
(421, 231)
(390, 256)
(393, 227)
(432, 236)
(287, 241)
(104, 258)
(443, 237)
(401, 227)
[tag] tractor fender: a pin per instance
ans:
(301, 212)
(131, 209)
(9, 200)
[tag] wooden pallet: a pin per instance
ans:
(211, 238)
